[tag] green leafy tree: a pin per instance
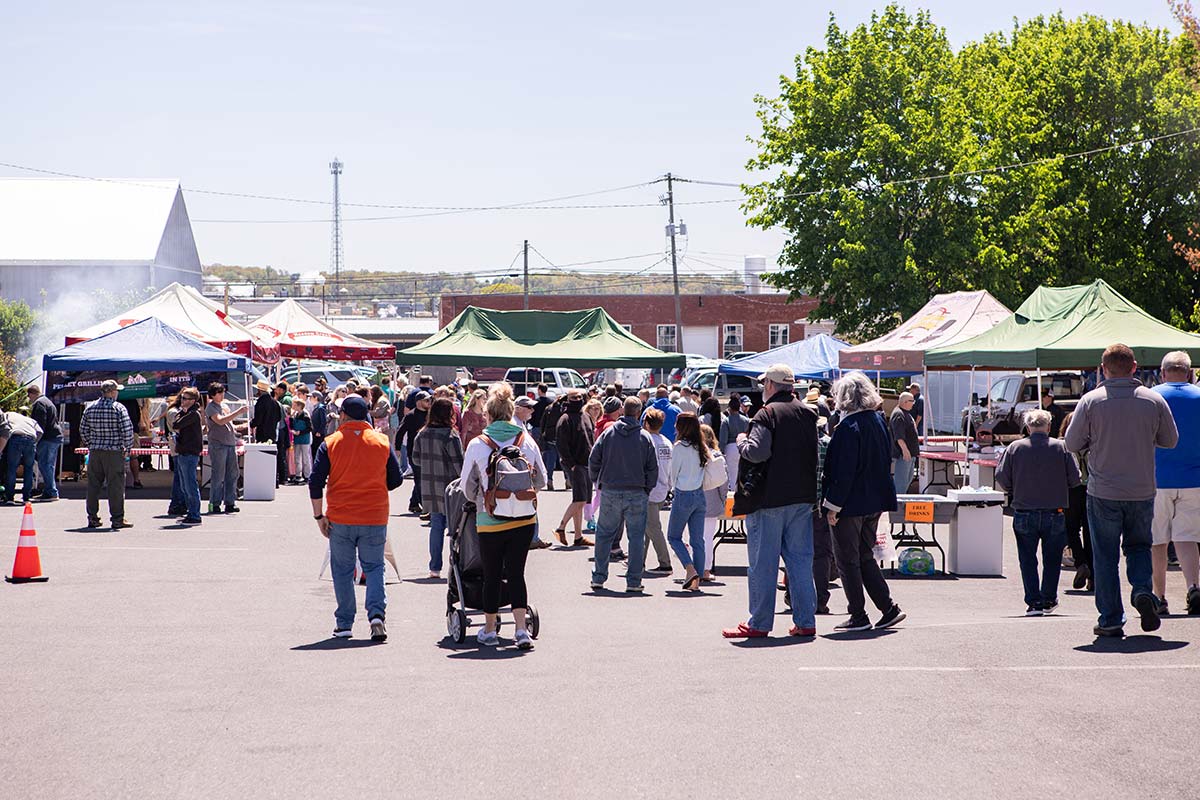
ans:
(16, 323)
(854, 136)
(876, 108)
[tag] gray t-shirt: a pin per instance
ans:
(904, 429)
(217, 433)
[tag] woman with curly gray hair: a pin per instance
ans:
(858, 489)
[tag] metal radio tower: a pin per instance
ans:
(335, 247)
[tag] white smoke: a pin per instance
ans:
(106, 293)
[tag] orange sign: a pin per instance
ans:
(918, 512)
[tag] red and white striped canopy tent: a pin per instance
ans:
(300, 334)
(186, 310)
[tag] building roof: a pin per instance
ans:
(58, 220)
(385, 326)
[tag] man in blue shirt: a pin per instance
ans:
(1177, 475)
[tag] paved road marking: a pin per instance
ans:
(1031, 668)
(126, 547)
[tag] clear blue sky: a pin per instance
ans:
(441, 104)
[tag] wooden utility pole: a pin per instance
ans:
(525, 249)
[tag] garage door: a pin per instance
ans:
(701, 340)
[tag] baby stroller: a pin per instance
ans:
(465, 591)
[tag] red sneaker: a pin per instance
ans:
(798, 631)
(743, 631)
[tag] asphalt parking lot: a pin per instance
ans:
(169, 662)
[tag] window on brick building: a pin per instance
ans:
(666, 340)
(731, 340)
(778, 335)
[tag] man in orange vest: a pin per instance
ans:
(360, 469)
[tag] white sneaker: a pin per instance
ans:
(342, 633)
(487, 639)
(524, 640)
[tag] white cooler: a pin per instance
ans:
(258, 471)
(977, 533)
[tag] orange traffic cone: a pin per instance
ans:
(28, 566)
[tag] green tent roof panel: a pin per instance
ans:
(1066, 327)
(482, 337)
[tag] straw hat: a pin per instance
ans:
(263, 386)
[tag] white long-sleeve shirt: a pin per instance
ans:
(686, 473)
(662, 451)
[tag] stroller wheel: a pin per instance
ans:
(533, 621)
(456, 625)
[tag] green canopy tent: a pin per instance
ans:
(1065, 327)
(481, 337)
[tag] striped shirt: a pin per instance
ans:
(105, 426)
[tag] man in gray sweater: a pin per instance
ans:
(1039, 472)
(1119, 423)
(624, 464)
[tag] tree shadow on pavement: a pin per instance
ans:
(337, 644)
(1131, 644)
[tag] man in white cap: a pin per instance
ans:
(783, 437)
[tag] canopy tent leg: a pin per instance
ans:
(928, 406)
(1039, 379)
(970, 386)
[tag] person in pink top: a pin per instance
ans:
(474, 419)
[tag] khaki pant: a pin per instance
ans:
(654, 536)
(106, 466)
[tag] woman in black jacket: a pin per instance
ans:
(858, 489)
(189, 444)
(574, 437)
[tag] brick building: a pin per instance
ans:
(714, 325)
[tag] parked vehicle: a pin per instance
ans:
(631, 379)
(1013, 395)
(335, 373)
(723, 386)
(525, 380)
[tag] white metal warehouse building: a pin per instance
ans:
(59, 237)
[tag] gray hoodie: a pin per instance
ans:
(1119, 424)
(624, 458)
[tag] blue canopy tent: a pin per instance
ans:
(815, 358)
(149, 344)
(146, 346)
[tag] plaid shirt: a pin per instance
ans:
(106, 426)
(822, 446)
(439, 456)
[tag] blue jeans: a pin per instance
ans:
(687, 511)
(189, 483)
(178, 501)
(785, 531)
(550, 459)
(626, 507)
(367, 541)
(47, 461)
(22, 451)
(437, 539)
(1049, 529)
(223, 488)
(903, 474)
(1118, 525)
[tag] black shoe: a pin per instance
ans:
(190, 521)
(232, 509)
(662, 568)
(378, 630)
(538, 544)
(121, 524)
(616, 555)
(1147, 606)
(1082, 574)
(1162, 607)
(1193, 601)
(416, 509)
(823, 610)
(1049, 606)
(1115, 631)
(1033, 611)
(426, 517)
(890, 617)
(853, 625)
(175, 511)
(94, 523)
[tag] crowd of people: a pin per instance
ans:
(812, 474)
